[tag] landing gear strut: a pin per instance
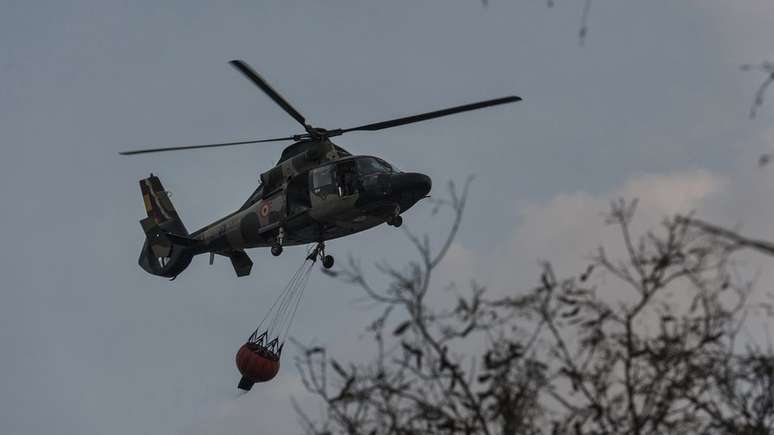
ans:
(319, 252)
(276, 247)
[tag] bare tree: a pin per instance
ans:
(418, 383)
(624, 377)
(562, 357)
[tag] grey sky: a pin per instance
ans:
(91, 344)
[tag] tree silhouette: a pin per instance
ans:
(643, 344)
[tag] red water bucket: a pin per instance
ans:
(256, 364)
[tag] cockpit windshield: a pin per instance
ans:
(372, 165)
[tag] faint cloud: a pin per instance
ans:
(672, 193)
(569, 227)
(459, 265)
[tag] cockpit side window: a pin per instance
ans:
(371, 165)
(323, 180)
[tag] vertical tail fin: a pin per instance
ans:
(159, 207)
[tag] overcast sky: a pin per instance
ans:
(653, 106)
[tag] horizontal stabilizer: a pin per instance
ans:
(159, 242)
(158, 235)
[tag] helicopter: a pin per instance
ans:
(316, 192)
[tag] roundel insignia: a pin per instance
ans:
(265, 209)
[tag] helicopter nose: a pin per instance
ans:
(412, 183)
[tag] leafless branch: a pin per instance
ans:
(558, 358)
(768, 69)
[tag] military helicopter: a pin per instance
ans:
(317, 192)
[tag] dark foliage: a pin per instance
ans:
(642, 344)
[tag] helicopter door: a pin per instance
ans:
(323, 182)
(332, 182)
(298, 194)
(346, 178)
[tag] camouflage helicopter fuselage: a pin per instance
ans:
(317, 192)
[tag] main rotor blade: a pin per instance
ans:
(215, 145)
(274, 95)
(430, 115)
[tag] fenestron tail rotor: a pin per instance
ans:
(321, 133)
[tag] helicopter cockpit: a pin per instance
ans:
(347, 177)
(341, 178)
